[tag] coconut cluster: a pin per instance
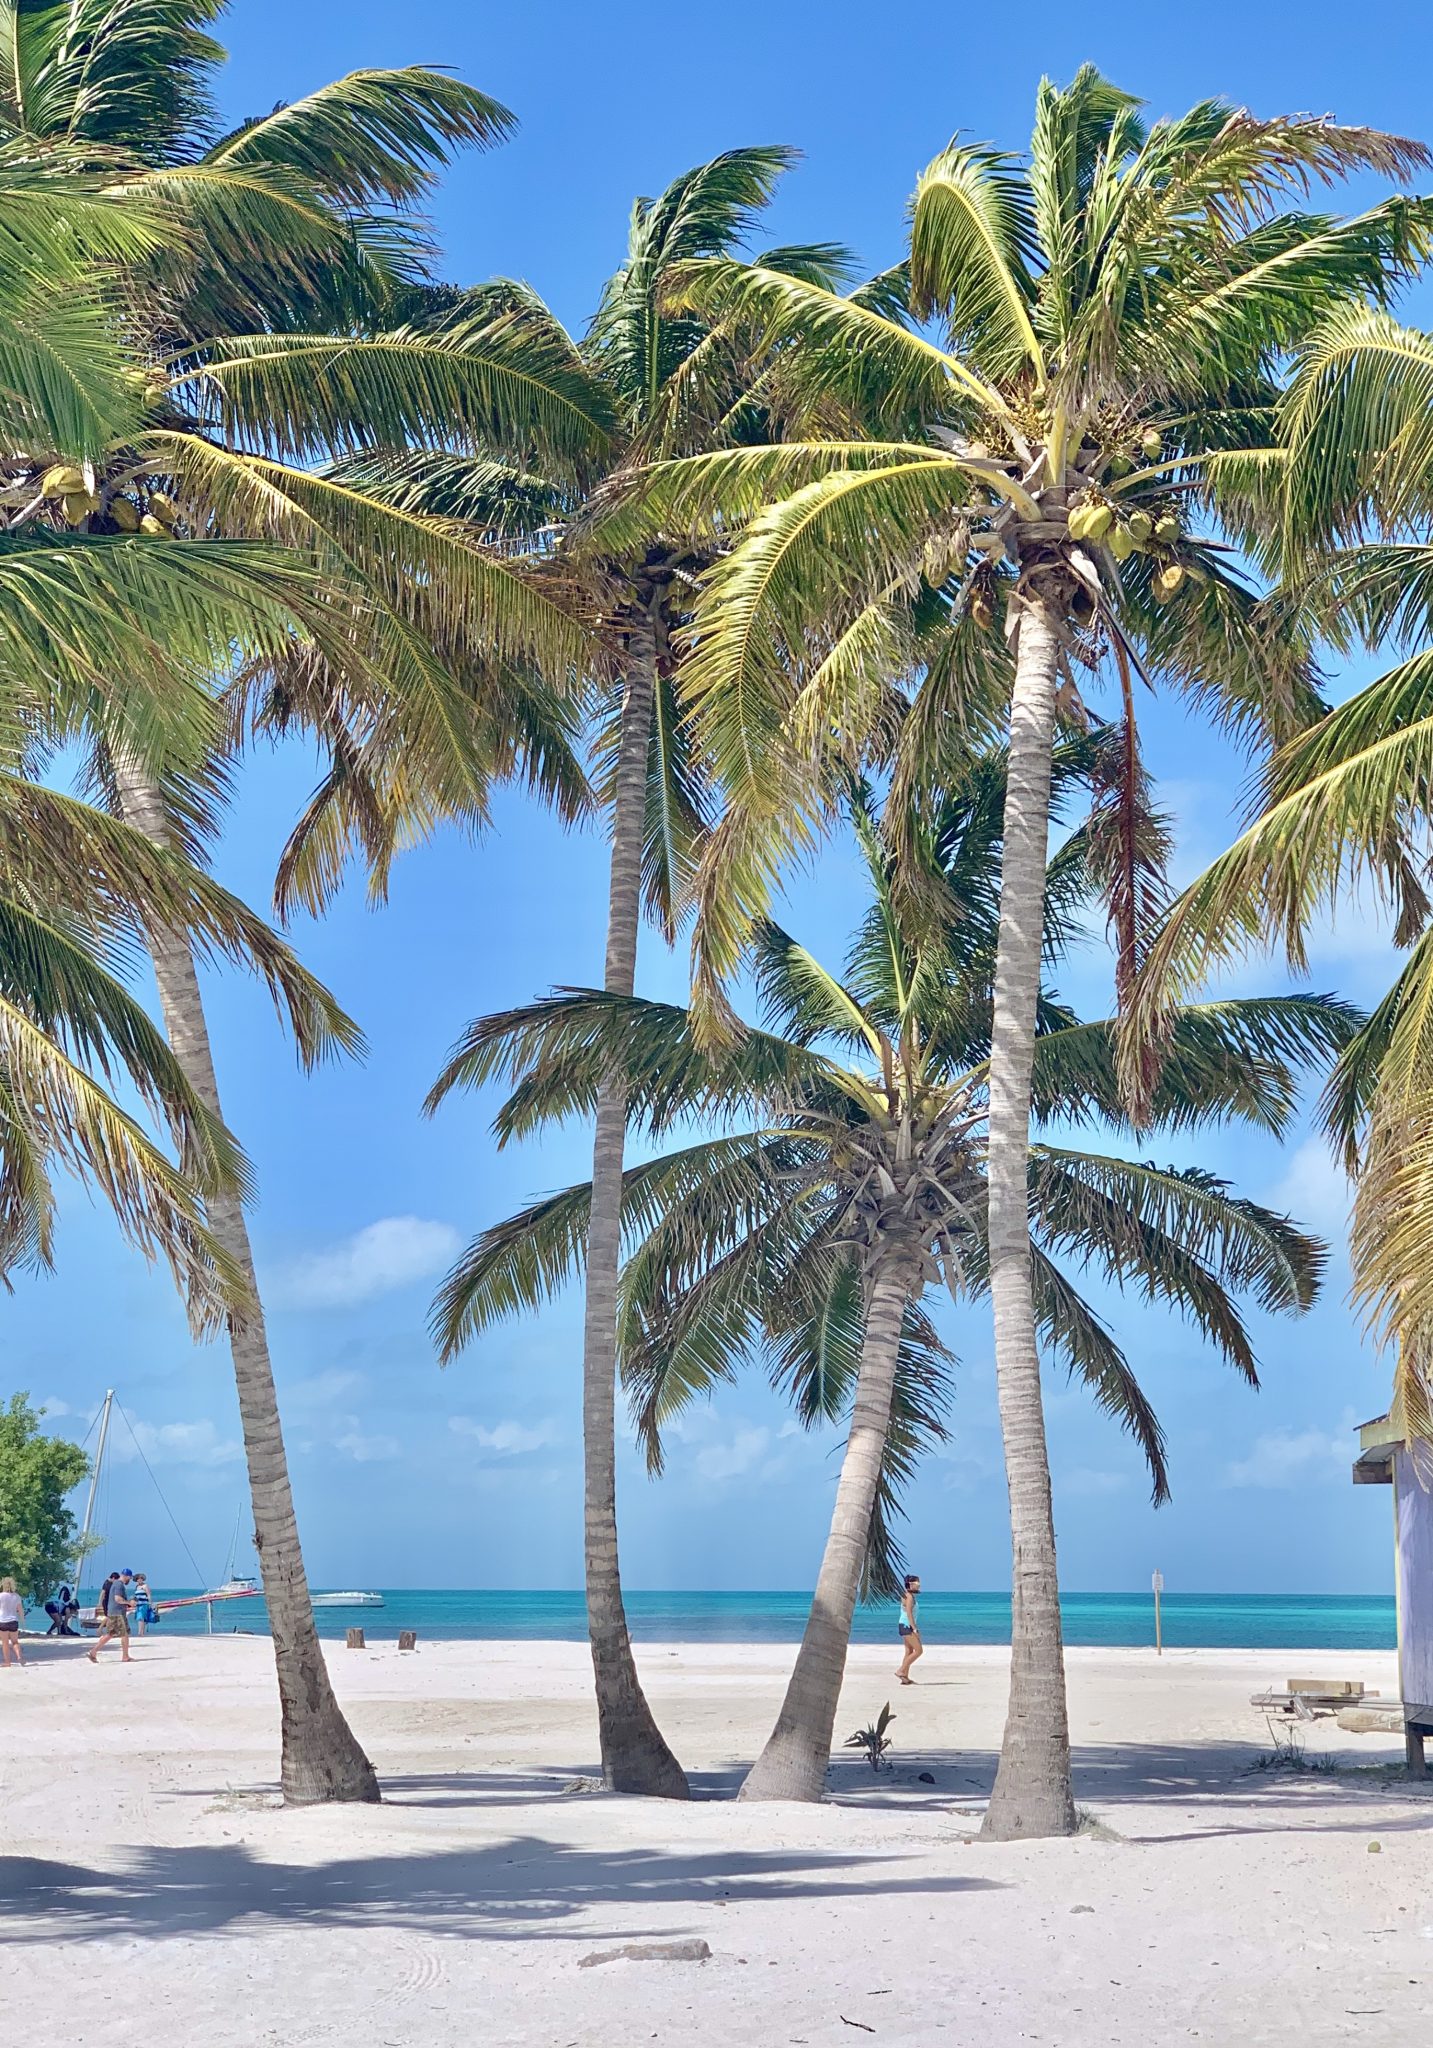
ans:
(66, 486)
(1094, 517)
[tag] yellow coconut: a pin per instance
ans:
(1167, 530)
(61, 481)
(79, 505)
(152, 526)
(1167, 582)
(1101, 519)
(1141, 526)
(125, 514)
(982, 612)
(163, 507)
(1122, 543)
(1151, 444)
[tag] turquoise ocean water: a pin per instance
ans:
(1191, 1620)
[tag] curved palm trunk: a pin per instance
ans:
(1032, 1793)
(794, 1762)
(321, 1757)
(635, 1758)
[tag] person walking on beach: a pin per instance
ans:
(12, 1613)
(114, 1617)
(909, 1626)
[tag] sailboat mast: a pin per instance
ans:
(88, 1524)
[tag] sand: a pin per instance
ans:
(154, 1892)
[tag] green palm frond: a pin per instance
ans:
(555, 1053)
(1092, 1354)
(78, 610)
(119, 882)
(369, 136)
(520, 1263)
(51, 1108)
(850, 350)
(511, 383)
(1356, 427)
(132, 75)
(1242, 1058)
(973, 240)
(1176, 1233)
(1339, 804)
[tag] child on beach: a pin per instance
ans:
(909, 1627)
(12, 1613)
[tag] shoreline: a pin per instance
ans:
(1333, 1623)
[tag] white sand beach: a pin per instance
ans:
(154, 1892)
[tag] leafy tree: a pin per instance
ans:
(852, 1177)
(1108, 314)
(37, 1530)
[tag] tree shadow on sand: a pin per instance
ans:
(1209, 1781)
(522, 1887)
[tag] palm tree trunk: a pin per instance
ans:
(794, 1762)
(321, 1757)
(635, 1757)
(1032, 1794)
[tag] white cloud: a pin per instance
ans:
(504, 1439)
(175, 1443)
(1315, 1191)
(1287, 1457)
(742, 1452)
(378, 1259)
(365, 1449)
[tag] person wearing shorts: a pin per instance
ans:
(114, 1609)
(909, 1626)
(12, 1613)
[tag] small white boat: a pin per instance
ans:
(235, 1589)
(346, 1599)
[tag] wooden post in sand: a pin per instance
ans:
(1158, 1584)
(407, 1638)
(354, 1639)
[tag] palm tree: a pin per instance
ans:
(1346, 806)
(77, 888)
(649, 383)
(1113, 311)
(810, 1235)
(304, 216)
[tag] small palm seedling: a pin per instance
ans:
(873, 1741)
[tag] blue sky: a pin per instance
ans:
(408, 1475)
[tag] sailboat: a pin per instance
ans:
(235, 1585)
(90, 1617)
